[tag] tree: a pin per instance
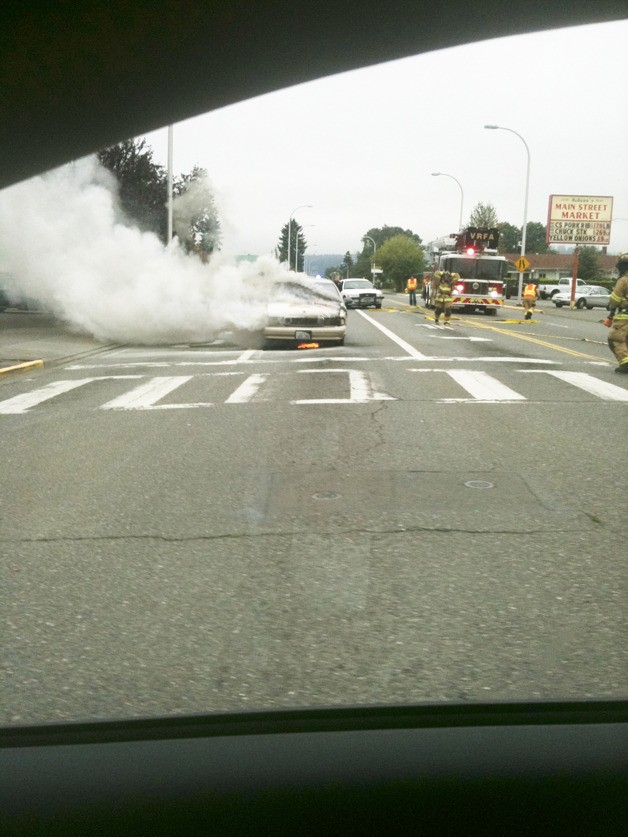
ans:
(588, 264)
(400, 257)
(298, 245)
(194, 213)
(142, 184)
(365, 257)
(483, 215)
(509, 237)
(535, 237)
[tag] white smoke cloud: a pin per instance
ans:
(61, 241)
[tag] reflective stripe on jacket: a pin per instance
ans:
(443, 294)
(412, 283)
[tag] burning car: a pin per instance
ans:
(305, 314)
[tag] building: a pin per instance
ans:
(557, 266)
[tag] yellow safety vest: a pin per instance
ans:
(412, 284)
(530, 291)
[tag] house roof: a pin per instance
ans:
(560, 261)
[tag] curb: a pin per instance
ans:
(21, 367)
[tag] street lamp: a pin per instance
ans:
(372, 242)
(296, 248)
(444, 174)
(308, 260)
(525, 203)
(302, 206)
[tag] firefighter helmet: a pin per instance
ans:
(455, 276)
(622, 264)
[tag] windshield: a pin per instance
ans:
(357, 283)
(210, 504)
(477, 268)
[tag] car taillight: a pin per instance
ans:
(460, 288)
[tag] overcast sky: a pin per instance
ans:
(360, 147)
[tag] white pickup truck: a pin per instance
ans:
(548, 289)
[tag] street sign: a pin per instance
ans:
(522, 264)
(376, 270)
(579, 219)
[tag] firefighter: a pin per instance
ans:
(618, 316)
(411, 287)
(425, 289)
(443, 299)
(529, 298)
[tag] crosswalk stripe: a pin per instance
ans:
(247, 389)
(483, 386)
(146, 395)
(590, 384)
(22, 403)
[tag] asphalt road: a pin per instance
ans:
(420, 515)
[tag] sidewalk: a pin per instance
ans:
(29, 340)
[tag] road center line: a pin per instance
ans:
(410, 350)
(534, 340)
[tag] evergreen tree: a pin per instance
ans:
(195, 217)
(142, 184)
(298, 245)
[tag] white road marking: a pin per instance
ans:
(480, 385)
(22, 403)
(313, 359)
(247, 389)
(588, 383)
(392, 336)
(146, 395)
(361, 391)
(470, 339)
(487, 359)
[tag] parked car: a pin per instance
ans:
(302, 314)
(550, 289)
(587, 296)
(361, 293)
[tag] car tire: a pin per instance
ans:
(490, 312)
(378, 304)
(558, 304)
(581, 304)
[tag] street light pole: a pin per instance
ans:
(444, 174)
(302, 206)
(170, 197)
(525, 203)
(296, 249)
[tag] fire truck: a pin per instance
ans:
(472, 254)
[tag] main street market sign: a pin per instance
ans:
(579, 219)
